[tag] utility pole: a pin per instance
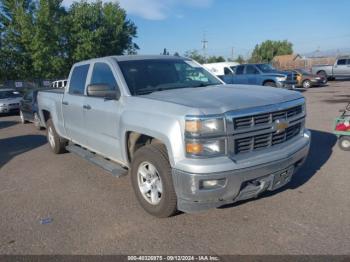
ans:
(204, 46)
(232, 58)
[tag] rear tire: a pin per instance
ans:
(270, 83)
(56, 143)
(323, 74)
(344, 143)
(152, 181)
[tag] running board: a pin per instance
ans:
(111, 167)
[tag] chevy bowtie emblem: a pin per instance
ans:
(281, 125)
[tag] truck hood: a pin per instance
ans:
(11, 100)
(224, 98)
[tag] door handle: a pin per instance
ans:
(88, 107)
(65, 103)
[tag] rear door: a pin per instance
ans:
(341, 68)
(102, 116)
(72, 105)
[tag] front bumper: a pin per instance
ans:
(9, 109)
(240, 183)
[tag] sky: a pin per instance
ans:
(236, 26)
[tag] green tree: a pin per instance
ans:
(267, 50)
(16, 23)
(215, 59)
(195, 55)
(97, 29)
(49, 40)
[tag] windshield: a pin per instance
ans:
(147, 76)
(266, 68)
(8, 94)
(303, 71)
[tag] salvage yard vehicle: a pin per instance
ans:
(222, 68)
(9, 101)
(29, 108)
(306, 79)
(263, 75)
(342, 129)
(341, 68)
(188, 144)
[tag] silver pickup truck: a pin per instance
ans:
(341, 68)
(189, 141)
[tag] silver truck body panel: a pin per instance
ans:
(103, 128)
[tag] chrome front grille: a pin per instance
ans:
(267, 118)
(261, 141)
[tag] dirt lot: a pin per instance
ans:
(95, 213)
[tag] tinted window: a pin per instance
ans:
(348, 61)
(60, 84)
(251, 70)
(28, 96)
(239, 70)
(102, 74)
(8, 94)
(227, 71)
(341, 62)
(78, 79)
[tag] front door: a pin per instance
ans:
(72, 105)
(102, 116)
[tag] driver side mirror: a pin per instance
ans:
(103, 91)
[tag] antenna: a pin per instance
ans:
(204, 46)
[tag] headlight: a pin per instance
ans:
(196, 126)
(205, 148)
(281, 78)
(2, 105)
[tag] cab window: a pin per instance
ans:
(251, 70)
(341, 62)
(239, 70)
(78, 79)
(227, 71)
(102, 74)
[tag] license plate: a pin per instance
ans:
(280, 179)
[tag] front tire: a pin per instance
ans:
(56, 143)
(22, 119)
(270, 83)
(36, 121)
(307, 84)
(344, 143)
(151, 179)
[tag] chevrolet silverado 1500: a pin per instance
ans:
(189, 141)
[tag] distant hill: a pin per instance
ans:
(328, 53)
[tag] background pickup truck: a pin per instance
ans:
(189, 141)
(263, 75)
(341, 68)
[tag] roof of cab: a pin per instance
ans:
(133, 58)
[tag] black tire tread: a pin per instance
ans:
(60, 143)
(169, 208)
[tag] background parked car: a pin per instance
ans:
(261, 74)
(341, 68)
(9, 101)
(221, 69)
(29, 108)
(306, 79)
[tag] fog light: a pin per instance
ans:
(212, 184)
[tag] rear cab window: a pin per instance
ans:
(78, 80)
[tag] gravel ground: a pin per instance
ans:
(95, 213)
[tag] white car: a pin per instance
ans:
(9, 101)
(222, 68)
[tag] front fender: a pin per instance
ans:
(164, 128)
